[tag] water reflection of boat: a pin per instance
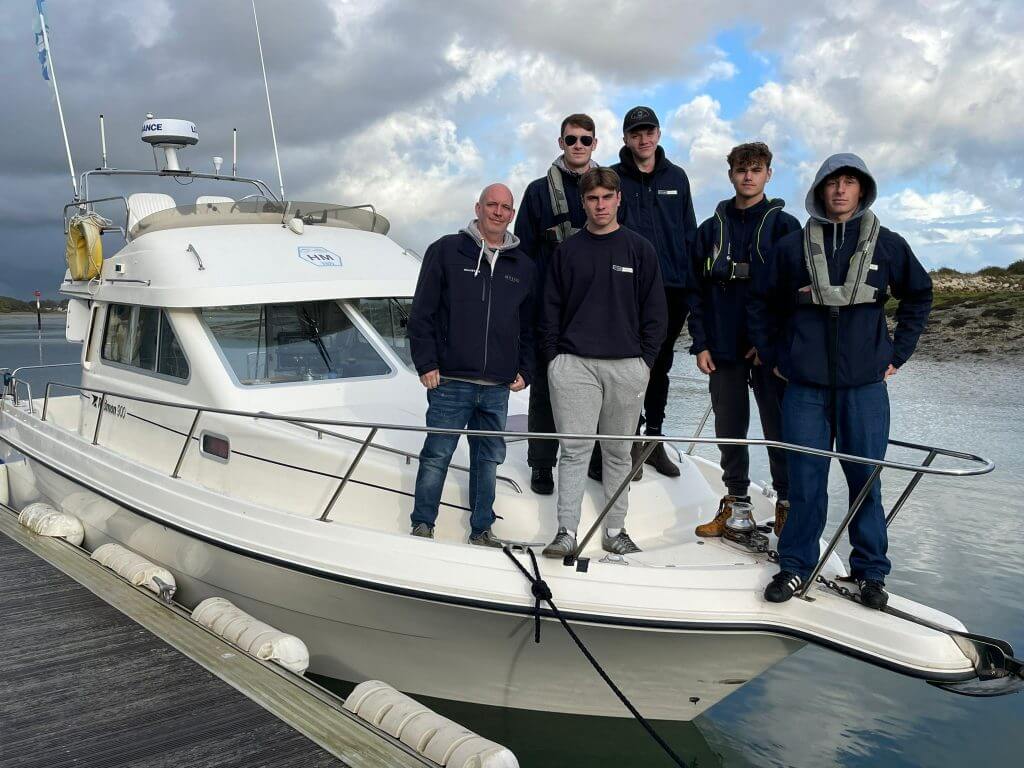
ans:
(232, 352)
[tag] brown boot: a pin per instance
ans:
(781, 513)
(717, 526)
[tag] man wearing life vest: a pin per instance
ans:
(551, 211)
(730, 248)
(818, 320)
(656, 203)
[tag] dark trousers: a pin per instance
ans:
(542, 454)
(730, 400)
(657, 389)
(862, 429)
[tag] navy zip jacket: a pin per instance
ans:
(603, 298)
(536, 218)
(658, 206)
(795, 336)
(466, 321)
(718, 308)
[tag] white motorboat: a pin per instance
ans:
(248, 417)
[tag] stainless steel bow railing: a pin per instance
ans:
(981, 465)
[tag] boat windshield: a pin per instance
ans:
(390, 319)
(287, 343)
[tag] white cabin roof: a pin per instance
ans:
(258, 263)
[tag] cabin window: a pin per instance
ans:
(171, 359)
(147, 331)
(142, 338)
(389, 318)
(286, 343)
(117, 341)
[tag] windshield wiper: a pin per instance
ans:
(317, 339)
(400, 308)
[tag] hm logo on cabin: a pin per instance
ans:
(319, 257)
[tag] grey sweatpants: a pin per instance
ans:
(587, 391)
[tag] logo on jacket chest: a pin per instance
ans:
(319, 257)
(512, 278)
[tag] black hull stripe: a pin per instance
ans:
(522, 610)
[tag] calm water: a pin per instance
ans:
(956, 546)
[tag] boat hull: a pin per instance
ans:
(434, 647)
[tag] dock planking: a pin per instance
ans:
(83, 684)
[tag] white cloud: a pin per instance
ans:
(718, 68)
(705, 139)
(910, 205)
(423, 174)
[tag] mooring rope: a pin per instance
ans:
(542, 593)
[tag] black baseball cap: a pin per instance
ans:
(638, 117)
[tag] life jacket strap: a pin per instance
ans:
(727, 269)
(560, 232)
(855, 290)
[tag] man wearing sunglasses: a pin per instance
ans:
(551, 211)
(656, 204)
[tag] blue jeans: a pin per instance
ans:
(862, 426)
(462, 405)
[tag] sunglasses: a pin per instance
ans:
(586, 141)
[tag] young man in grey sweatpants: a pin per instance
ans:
(603, 320)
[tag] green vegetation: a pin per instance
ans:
(7, 305)
(1016, 269)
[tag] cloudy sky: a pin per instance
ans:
(414, 106)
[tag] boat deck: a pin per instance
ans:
(90, 680)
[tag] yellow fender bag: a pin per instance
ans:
(84, 250)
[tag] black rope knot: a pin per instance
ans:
(541, 590)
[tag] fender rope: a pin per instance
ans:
(542, 592)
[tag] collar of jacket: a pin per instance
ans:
(728, 207)
(470, 248)
(629, 165)
(559, 163)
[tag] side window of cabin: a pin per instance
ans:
(172, 360)
(147, 329)
(118, 334)
(390, 318)
(142, 338)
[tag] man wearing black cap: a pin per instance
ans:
(656, 203)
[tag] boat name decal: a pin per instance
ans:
(319, 257)
(120, 411)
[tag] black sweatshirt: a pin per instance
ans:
(603, 297)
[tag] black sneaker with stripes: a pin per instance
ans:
(783, 586)
(873, 594)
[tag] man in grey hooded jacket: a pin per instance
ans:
(817, 318)
(470, 335)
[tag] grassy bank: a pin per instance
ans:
(979, 313)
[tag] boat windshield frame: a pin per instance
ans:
(359, 324)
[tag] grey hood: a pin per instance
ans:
(473, 230)
(813, 203)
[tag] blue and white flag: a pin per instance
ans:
(40, 42)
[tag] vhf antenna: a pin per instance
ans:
(270, 111)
